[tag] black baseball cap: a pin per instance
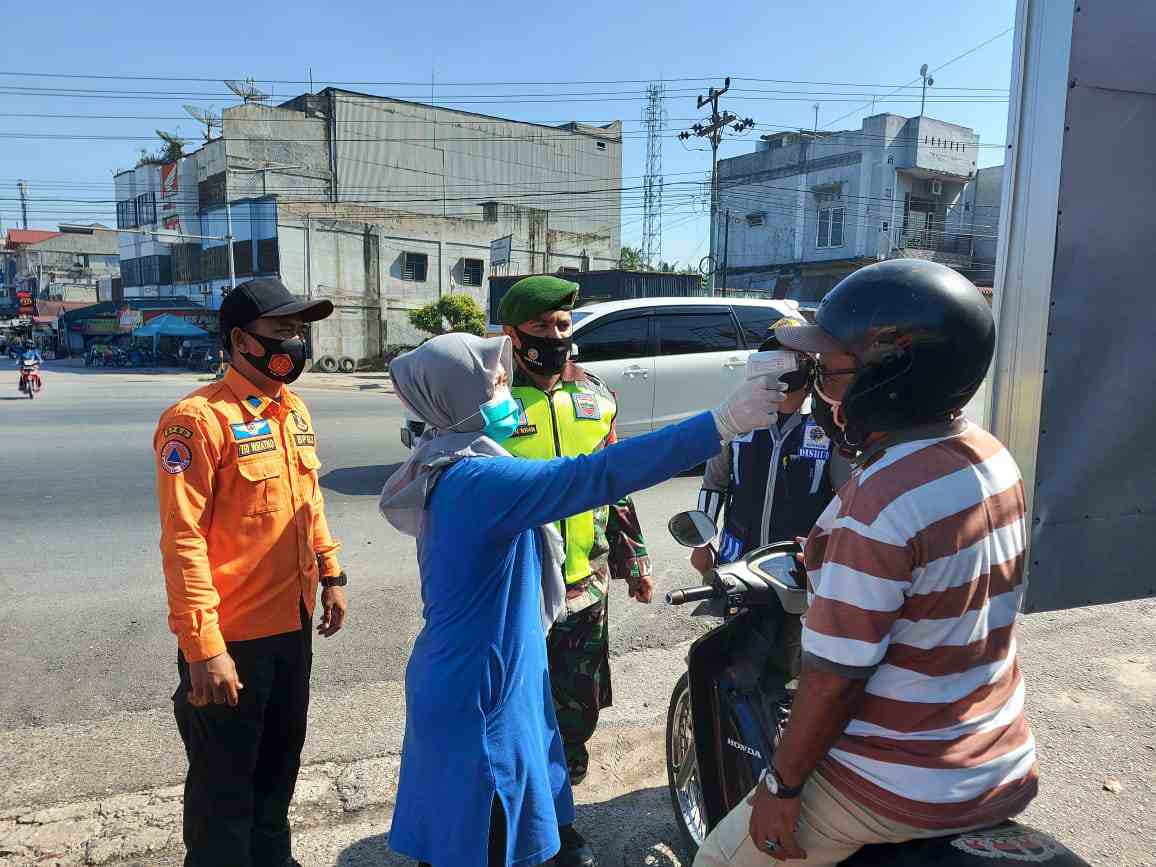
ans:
(266, 296)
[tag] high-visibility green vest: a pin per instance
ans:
(574, 419)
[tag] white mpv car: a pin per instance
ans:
(666, 358)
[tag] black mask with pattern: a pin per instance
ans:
(283, 361)
(544, 356)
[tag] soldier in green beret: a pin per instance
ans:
(567, 411)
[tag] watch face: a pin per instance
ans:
(771, 782)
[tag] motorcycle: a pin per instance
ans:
(729, 709)
(30, 383)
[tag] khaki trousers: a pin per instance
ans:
(831, 829)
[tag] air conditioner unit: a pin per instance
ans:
(936, 188)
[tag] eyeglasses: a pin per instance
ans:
(822, 372)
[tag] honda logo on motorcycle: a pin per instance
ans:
(743, 748)
(1010, 844)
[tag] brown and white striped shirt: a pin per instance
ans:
(916, 575)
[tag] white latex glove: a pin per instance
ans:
(751, 406)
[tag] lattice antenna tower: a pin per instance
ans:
(654, 116)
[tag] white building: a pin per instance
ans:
(379, 204)
(806, 209)
(57, 266)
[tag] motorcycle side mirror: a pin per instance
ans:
(573, 351)
(692, 529)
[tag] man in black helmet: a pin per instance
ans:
(908, 719)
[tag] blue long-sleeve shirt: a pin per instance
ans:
(480, 720)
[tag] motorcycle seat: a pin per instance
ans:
(1008, 843)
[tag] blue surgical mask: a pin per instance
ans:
(501, 413)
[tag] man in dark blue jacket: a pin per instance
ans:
(774, 483)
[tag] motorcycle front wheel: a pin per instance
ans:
(682, 768)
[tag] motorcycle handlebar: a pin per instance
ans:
(692, 594)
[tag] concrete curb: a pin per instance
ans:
(147, 823)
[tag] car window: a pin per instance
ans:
(685, 333)
(756, 321)
(614, 341)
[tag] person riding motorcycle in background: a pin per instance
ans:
(774, 483)
(30, 360)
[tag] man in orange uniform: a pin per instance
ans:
(245, 544)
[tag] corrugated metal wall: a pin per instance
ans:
(613, 286)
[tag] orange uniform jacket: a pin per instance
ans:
(242, 518)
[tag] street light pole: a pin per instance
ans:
(229, 240)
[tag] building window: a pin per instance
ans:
(146, 209)
(268, 257)
(414, 266)
(490, 212)
(472, 272)
(830, 227)
(601, 145)
(756, 218)
(126, 214)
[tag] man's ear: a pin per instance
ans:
(238, 339)
(512, 333)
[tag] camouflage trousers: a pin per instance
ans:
(578, 648)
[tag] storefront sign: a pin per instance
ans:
(501, 250)
(24, 299)
(130, 319)
(102, 326)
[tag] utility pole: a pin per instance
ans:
(23, 187)
(816, 107)
(714, 132)
(927, 82)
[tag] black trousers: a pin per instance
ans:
(243, 761)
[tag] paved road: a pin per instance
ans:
(82, 631)
(86, 661)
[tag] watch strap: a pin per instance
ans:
(777, 787)
(334, 581)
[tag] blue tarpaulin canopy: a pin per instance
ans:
(168, 325)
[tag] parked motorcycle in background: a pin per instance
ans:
(729, 709)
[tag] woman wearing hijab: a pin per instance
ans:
(483, 775)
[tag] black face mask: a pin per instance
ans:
(283, 361)
(544, 356)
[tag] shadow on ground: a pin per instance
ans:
(633, 830)
(358, 481)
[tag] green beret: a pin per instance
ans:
(530, 297)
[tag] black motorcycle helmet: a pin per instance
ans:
(924, 337)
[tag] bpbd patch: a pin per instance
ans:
(178, 430)
(305, 439)
(816, 444)
(249, 430)
(175, 457)
(586, 405)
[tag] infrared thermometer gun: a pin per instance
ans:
(774, 362)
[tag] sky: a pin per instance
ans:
(544, 62)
